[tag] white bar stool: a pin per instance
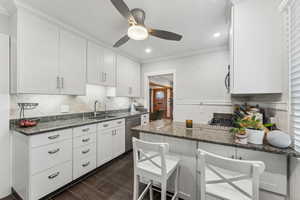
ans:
(229, 179)
(152, 163)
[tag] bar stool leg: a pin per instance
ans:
(136, 187)
(164, 190)
(151, 191)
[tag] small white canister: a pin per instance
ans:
(255, 136)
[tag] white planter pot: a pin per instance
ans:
(255, 136)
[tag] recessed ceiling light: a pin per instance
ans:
(148, 50)
(216, 35)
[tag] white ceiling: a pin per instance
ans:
(196, 20)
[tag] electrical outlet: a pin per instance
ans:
(64, 108)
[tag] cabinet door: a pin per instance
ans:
(258, 56)
(72, 64)
(95, 67)
(123, 76)
(118, 142)
(104, 146)
(109, 59)
(37, 55)
(274, 179)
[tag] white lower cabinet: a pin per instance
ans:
(274, 178)
(273, 182)
(110, 140)
(84, 150)
(50, 180)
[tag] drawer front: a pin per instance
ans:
(84, 140)
(79, 131)
(50, 155)
(119, 122)
(105, 125)
(50, 180)
(111, 124)
(82, 167)
(84, 151)
(51, 137)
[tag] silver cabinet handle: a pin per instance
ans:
(105, 76)
(57, 83)
(102, 76)
(54, 151)
(86, 151)
(105, 125)
(53, 137)
(85, 130)
(86, 164)
(232, 157)
(86, 140)
(119, 122)
(62, 82)
(52, 176)
(240, 158)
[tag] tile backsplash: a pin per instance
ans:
(55, 104)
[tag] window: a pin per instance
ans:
(294, 60)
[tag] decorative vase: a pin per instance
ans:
(241, 138)
(255, 136)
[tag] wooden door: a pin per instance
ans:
(160, 101)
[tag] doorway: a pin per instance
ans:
(161, 89)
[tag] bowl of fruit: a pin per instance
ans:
(24, 123)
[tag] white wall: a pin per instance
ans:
(199, 78)
(4, 114)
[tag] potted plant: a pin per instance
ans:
(240, 135)
(254, 129)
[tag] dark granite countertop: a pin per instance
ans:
(206, 133)
(69, 122)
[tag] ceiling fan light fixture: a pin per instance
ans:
(137, 32)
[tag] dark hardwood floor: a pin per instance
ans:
(111, 182)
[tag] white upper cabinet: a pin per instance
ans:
(45, 60)
(128, 78)
(35, 54)
(72, 64)
(256, 47)
(101, 65)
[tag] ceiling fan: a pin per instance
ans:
(137, 29)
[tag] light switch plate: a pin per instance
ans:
(64, 108)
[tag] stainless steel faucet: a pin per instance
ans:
(95, 108)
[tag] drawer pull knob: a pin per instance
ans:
(86, 140)
(53, 137)
(54, 151)
(85, 130)
(86, 164)
(86, 151)
(53, 175)
(120, 122)
(105, 125)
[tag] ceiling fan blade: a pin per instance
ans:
(121, 6)
(122, 41)
(165, 34)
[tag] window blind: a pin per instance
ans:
(294, 60)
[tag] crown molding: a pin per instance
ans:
(21, 5)
(186, 54)
(234, 2)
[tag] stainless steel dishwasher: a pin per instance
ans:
(131, 122)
